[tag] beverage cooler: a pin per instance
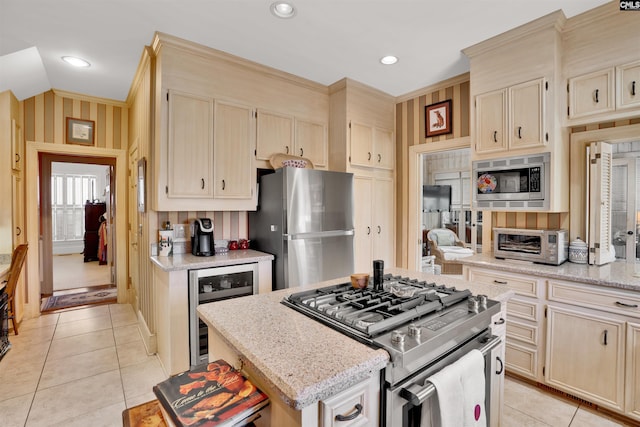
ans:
(215, 284)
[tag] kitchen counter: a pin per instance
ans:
(298, 357)
(4, 269)
(190, 262)
(614, 275)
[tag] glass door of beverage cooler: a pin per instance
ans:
(210, 285)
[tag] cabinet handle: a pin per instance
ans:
(286, 149)
(495, 136)
(605, 336)
(17, 157)
(202, 183)
(499, 322)
(224, 184)
(500, 282)
(519, 132)
(379, 229)
(18, 231)
(379, 158)
(596, 95)
(301, 152)
(633, 88)
(368, 230)
(622, 304)
(369, 153)
(352, 416)
(501, 370)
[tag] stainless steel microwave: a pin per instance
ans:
(516, 183)
(540, 246)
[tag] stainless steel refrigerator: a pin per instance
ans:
(305, 219)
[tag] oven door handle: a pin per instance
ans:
(418, 394)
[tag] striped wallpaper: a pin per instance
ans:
(226, 225)
(45, 118)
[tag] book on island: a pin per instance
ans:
(210, 395)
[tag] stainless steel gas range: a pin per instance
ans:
(423, 326)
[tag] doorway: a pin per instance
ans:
(625, 202)
(76, 214)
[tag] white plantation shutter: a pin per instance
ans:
(599, 202)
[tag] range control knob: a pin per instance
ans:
(414, 330)
(472, 304)
(397, 337)
(482, 299)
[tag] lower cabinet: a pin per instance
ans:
(356, 406)
(632, 391)
(586, 355)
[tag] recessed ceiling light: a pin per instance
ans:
(388, 60)
(76, 62)
(283, 9)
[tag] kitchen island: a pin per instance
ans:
(300, 363)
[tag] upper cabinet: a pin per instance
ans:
(217, 119)
(371, 146)
(190, 146)
(601, 66)
(511, 118)
(283, 133)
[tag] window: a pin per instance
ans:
(69, 193)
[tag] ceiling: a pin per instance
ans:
(326, 41)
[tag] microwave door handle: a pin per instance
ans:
(418, 394)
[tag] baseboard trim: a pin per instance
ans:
(149, 339)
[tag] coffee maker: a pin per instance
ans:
(202, 237)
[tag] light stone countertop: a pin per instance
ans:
(189, 261)
(614, 275)
(302, 359)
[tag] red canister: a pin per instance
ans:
(233, 245)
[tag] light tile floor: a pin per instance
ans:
(84, 367)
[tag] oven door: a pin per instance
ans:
(409, 403)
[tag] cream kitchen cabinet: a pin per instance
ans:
(592, 344)
(511, 118)
(591, 93)
(233, 170)
(586, 354)
(524, 347)
(628, 85)
(283, 133)
(190, 146)
(17, 151)
(206, 160)
(364, 394)
(604, 91)
(371, 146)
(374, 221)
(632, 391)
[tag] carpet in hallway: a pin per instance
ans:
(101, 296)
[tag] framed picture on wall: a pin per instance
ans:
(438, 118)
(80, 131)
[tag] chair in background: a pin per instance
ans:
(447, 249)
(17, 261)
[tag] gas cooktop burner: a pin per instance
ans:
(372, 311)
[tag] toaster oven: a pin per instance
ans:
(540, 246)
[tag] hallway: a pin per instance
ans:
(70, 272)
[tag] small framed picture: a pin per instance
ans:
(80, 131)
(438, 118)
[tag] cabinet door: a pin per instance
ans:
(383, 224)
(274, 134)
(363, 218)
(591, 93)
(527, 114)
(190, 146)
(311, 141)
(361, 144)
(497, 384)
(633, 371)
(17, 152)
(19, 236)
(233, 146)
(585, 355)
(491, 122)
(384, 148)
(628, 81)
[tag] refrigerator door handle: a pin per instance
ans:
(316, 235)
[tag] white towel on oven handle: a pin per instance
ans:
(460, 390)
